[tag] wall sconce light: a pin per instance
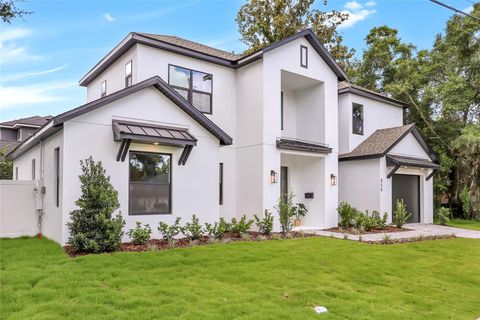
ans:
(273, 176)
(333, 179)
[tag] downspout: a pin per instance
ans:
(41, 193)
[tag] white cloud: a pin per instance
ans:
(355, 17)
(353, 5)
(468, 10)
(13, 34)
(22, 75)
(371, 4)
(17, 96)
(109, 17)
(10, 51)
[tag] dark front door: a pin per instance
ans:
(407, 187)
(283, 181)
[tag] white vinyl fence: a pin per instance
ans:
(18, 215)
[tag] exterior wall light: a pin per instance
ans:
(333, 179)
(273, 176)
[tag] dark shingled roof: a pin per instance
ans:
(379, 143)
(187, 44)
(31, 121)
(9, 144)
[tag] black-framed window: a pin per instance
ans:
(128, 74)
(281, 110)
(103, 88)
(33, 169)
(16, 173)
(150, 190)
(194, 86)
(220, 183)
(56, 172)
(357, 118)
(303, 56)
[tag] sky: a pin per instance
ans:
(43, 56)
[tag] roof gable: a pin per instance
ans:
(346, 87)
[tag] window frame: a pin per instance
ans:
(56, 169)
(129, 77)
(102, 92)
(16, 173)
(169, 189)
(354, 104)
(281, 111)
(190, 90)
(220, 183)
(33, 169)
(302, 64)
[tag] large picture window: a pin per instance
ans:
(150, 183)
(195, 86)
(357, 118)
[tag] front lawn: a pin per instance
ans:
(281, 279)
(466, 224)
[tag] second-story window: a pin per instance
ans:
(104, 88)
(128, 74)
(195, 86)
(357, 118)
(303, 56)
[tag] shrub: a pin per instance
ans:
(348, 214)
(443, 215)
(92, 227)
(218, 229)
(367, 222)
(169, 232)
(140, 235)
(193, 230)
(265, 224)
(401, 214)
(241, 226)
(300, 210)
(286, 211)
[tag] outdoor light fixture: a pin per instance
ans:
(333, 179)
(273, 176)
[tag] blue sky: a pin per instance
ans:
(42, 58)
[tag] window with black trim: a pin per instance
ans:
(128, 74)
(56, 170)
(303, 56)
(194, 86)
(103, 88)
(220, 184)
(150, 183)
(281, 110)
(357, 118)
(33, 169)
(16, 173)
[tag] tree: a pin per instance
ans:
(6, 166)
(263, 22)
(10, 11)
(92, 227)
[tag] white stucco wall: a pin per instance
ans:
(409, 146)
(376, 115)
(194, 186)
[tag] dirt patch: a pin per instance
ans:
(354, 231)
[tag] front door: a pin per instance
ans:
(407, 187)
(284, 181)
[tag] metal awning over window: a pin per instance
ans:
(300, 145)
(146, 133)
(401, 161)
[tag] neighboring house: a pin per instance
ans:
(183, 129)
(13, 132)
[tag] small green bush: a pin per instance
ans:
(169, 232)
(140, 235)
(286, 211)
(193, 230)
(443, 215)
(217, 229)
(241, 226)
(401, 214)
(265, 224)
(348, 215)
(367, 222)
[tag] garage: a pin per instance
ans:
(407, 187)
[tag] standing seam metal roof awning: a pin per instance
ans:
(300, 145)
(128, 132)
(397, 161)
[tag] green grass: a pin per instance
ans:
(281, 279)
(466, 224)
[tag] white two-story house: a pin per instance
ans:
(183, 128)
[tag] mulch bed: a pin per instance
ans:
(160, 244)
(354, 231)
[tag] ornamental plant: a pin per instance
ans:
(140, 235)
(443, 215)
(169, 232)
(241, 226)
(348, 215)
(193, 230)
(286, 211)
(401, 214)
(92, 228)
(264, 224)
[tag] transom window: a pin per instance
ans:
(357, 118)
(104, 88)
(303, 56)
(128, 74)
(150, 183)
(194, 86)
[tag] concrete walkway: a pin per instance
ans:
(417, 230)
